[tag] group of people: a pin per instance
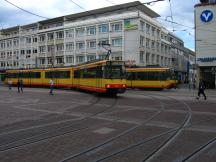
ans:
(201, 88)
(19, 85)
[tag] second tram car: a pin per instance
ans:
(105, 76)
(150, 78)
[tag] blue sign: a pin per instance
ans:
(206, 59)
(206, 16)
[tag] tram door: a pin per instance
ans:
(130, 78)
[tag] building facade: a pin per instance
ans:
(205, 34)
(131, 30)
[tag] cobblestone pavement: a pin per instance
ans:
(139, 125)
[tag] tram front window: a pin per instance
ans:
(114, 72)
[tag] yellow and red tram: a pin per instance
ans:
(105, 76)
(150, 78)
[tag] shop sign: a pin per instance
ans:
(206, 59)
(128, 25)
(206, 16)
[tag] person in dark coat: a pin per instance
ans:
(21, 85)
(201, 90)
(18, 86)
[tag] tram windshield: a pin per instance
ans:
(114, 70)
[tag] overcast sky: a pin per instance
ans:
(182, 13)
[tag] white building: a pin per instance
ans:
(205, 34)
(131, 30)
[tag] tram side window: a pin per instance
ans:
(77, 74)
(130, 76)
(89, 73)
(57, 74)
(35, 75)
(49, 74)
(164, 75)
(63, 74)
(99, 71)
(24, 75)
(154, 76)
(142, 76)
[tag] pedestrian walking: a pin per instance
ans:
(10, 84)
(51, 86)
(21, 85)
(201, 90)
(18, 86)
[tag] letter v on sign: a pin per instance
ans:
(206, 16)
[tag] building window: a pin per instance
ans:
(60, 35)
(91, 57)
(69, 33)
(28, 40)
(102, 57)
(117, 42)
(153, 59)
(142, 56)
(70, 59)
(158, 59)
(60, 60)
(104, 41)
(158, 46)
(22, 52)
(42, 49)
(80, 32)
(50, 36)
(42, 38)
(142, 41)
(80, 59)
(91, 30)
(28, 51)
(34, 51)
(34, 39)
(153, 31)
(50, 48)
(16, 42)
(91, 44)
(142, 26)
(69, 46)
(80, 45)
(147, 43)
(162, 63)
(42, 61)
(60, 47)
(158, 33)
(147, 29)
(104, 28)
(153, 45)
(117, 27)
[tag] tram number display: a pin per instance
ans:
(115, 63)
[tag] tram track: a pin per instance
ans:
(199, 150)
(173, 132)
(126, 132)
(16, 143)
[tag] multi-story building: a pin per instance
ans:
(131, 30)
(183, 59)
(205, 35)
